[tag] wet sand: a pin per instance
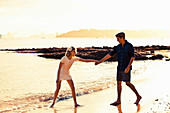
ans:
(153, 85)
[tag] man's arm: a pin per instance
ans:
(103, 59)
(132, 55)
(112, 53)
(130, 63)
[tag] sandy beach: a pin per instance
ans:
(153, 85)
(151, 78)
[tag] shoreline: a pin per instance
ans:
(155, 96)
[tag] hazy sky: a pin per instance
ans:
(50, 16)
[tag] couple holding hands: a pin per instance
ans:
(125, 56)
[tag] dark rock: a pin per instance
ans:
(167, 59)
(97, 53)
(156, 100)
(156, 57)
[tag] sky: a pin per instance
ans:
(51, 16)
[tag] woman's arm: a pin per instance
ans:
(87, 60)
(59, 69)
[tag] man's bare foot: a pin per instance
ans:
(116, 103)
(52, 105)
(138, 100)
(77, 105)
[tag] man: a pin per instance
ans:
(125, 56)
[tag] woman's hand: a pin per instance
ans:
(97, 62)
(57, 81)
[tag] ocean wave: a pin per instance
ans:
(36, 101)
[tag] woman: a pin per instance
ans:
(64, 74)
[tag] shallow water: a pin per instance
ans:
(77, 42)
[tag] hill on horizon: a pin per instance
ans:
(94, 33)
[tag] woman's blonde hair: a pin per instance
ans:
(69, 50)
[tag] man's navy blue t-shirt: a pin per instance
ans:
(124, 55)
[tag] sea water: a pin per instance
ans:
(77, 42)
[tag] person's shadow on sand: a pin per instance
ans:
(120, 109)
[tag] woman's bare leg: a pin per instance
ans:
(56, 92)
(71, 84)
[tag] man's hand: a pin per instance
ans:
(127, 69)
(97, 62)
(103, 59)
(130, 63)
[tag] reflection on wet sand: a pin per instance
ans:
(55, 110)
(138, 107)
(120, 109)
(75, 110)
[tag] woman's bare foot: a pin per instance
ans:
(77, 105)
(52, 105)
(138, 100)
(116, 103)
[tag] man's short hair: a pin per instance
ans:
(121, 35)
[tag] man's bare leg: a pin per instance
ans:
(119, 90)
(132, 87)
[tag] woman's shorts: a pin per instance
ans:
(65, 77)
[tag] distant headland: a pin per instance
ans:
(91, 33)
(94, 33)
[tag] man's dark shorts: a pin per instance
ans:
(121, 76)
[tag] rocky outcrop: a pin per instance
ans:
(141, 52)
